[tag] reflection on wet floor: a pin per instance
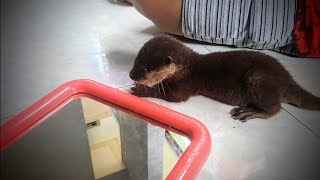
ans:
(106, 140)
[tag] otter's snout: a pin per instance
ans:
(132, 75)
(136, 75)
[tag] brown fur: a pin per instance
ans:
(254, 81)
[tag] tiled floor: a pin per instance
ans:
(46, 43)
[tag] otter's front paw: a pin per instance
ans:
(142, 91)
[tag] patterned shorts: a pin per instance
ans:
(256, 24)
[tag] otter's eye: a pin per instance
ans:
(146, 69)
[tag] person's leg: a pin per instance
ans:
(165, 14)
(239, 23)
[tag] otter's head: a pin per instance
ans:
(156, 61)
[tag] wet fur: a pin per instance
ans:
(256, 82)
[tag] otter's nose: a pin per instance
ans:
(133, 75)
(136, 73)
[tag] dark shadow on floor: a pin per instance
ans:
(192, 41)
(121, 59)
(121, 3)
(151, 30)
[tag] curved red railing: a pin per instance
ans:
(187, 167)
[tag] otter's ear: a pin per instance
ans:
(169, 60)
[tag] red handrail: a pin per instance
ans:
(187, 167)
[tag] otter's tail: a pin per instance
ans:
(299, 97)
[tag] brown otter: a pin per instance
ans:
(257, 83)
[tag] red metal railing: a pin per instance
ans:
(187, 167)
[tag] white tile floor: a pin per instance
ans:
(46, 43)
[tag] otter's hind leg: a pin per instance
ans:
(263, 100)
(247, 113)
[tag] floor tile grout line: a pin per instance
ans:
(206, 48)
(302, 123)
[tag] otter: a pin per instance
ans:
(254, 82)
